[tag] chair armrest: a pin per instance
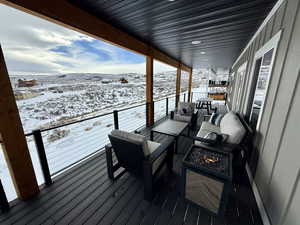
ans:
(172, 114)
(195, 113)
(225, 144)
(207, 117)
(108, 147)
(208, 141)
(109, 161)
(161, 149)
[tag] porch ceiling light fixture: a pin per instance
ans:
(202, 53)
(196, 42)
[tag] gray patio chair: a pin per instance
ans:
(140, 157)
(186, 112)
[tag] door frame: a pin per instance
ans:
(273, 43)
(241, 78)
(236, 85)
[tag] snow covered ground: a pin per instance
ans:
(67, 98)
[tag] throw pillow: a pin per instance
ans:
(215, 119)
(218, 120)
(184, 111)
(185, 108)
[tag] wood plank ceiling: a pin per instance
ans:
(222, 26)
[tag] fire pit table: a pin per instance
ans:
(207, 178)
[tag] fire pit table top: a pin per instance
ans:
(215, 163)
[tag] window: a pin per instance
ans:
(262, 69)
(261, 86)
(239, 84)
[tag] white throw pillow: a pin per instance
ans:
(233, 127)
(227, 118)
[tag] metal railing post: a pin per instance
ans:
(116, 119)
(167, 106)
(37, 135)
(184, 97)
(147, 114)
(192, 97)
(4, 205)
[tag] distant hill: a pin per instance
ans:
(76, 76)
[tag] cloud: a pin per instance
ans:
(35, 46)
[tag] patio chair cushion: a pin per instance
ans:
(185, 108)
(132, 137)
(183, 118)
(232, 126)
(152, 147)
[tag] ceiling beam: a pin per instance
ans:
(66, 14)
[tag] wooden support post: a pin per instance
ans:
(149, 91)
(178, 79)
(14, 144)
(190, 85)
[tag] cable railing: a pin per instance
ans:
(132, 118)
(164, 106)
(161, 108)
(197, 95)
(57, 148)
(183, 97)
(65, 146)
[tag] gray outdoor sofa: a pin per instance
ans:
(235, 135)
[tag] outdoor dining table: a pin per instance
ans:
(204, 103)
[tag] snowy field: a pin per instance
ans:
(63, 99)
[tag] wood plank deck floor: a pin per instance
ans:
(85, 195)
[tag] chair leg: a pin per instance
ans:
(148, 181)
(109, 162)
(170, 155)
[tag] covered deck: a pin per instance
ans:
(85, 195)
(210, 34)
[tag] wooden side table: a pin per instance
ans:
(207, 178)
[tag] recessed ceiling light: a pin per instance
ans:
(196, 42)
(171, 0)
(202, 53)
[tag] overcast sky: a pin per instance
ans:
(35, 46)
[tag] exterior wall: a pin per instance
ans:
(277, 175)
